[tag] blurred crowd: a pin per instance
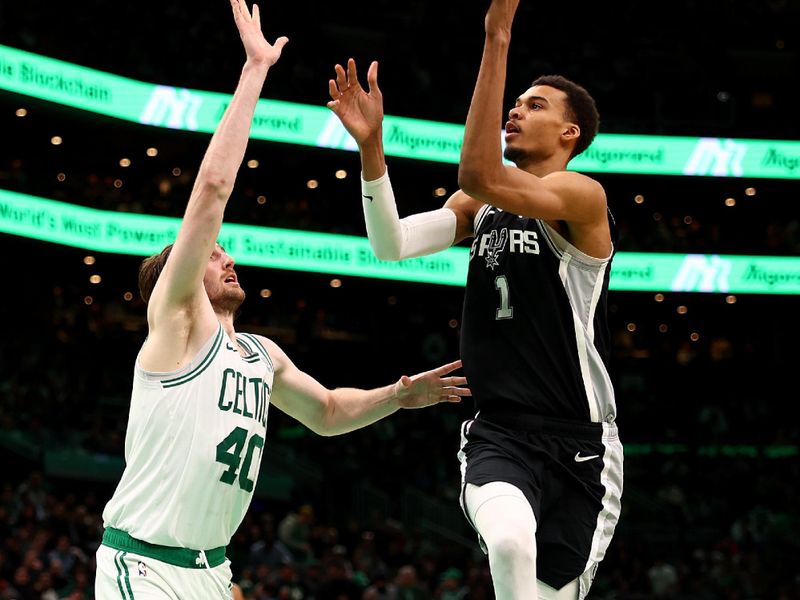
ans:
(51, 529)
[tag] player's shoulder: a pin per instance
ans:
(260, 339)
(580, 190)
(276, 354)
(576, 179)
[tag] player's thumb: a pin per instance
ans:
(280, 43)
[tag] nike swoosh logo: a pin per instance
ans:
(229, 347)
(370, 198)
(579, 458)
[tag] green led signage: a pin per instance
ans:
(142, 235)
(275, 121)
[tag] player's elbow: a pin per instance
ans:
(321, 429)
(386, 246)
(215, 185)
(324, 418)
(474, 183)
(386, 252)
(319, 424)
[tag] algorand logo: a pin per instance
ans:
(701, 273)
(172, 107)
(713, 156)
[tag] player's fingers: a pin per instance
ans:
(333, 105)
(256, 15)
(456, 391)
(341, 78)
(244, 10)
(333, 90)
(372, 78)
(444, 369)
(450, 398)
(352, 75)
(237, 10)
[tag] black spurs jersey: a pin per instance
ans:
(534, 333)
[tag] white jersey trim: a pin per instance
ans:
(611, 478)
(559, 244)
(582, 277)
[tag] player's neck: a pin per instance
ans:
(226, 320)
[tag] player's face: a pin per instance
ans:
(536, 124)
(221, 282)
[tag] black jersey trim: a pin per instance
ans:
(559, 253)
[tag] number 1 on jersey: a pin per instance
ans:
(506, 311)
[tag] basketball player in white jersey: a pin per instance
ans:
(541, 462)
(201, 391)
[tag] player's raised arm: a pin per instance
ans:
(180, 286)
(392, 238)
(541, 137)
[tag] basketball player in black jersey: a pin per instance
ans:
(541, 462)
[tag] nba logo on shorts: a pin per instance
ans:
(142, 569)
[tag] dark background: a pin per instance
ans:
(710, 425)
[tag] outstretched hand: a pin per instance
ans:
(258, 49)
(361, 112)
(431, 387)
(500, 16)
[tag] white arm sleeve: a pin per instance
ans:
(393, 238)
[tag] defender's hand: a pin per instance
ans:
(431, 387)
(258, 50)
(361, 112)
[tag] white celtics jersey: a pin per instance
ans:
(193, 446)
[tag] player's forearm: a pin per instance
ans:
(228, 144)
(373, 160)
(350, 409)
(393, 238)
(481, 155)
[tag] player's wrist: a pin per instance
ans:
(397, 394)
(256, 64)
(373, 141)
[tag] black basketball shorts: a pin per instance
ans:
(570, 472)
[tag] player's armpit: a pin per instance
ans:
(465, 208)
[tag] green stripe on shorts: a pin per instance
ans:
(127, 575)
(119, 575)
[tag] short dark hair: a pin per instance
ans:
(149, 271)
(581, 107)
